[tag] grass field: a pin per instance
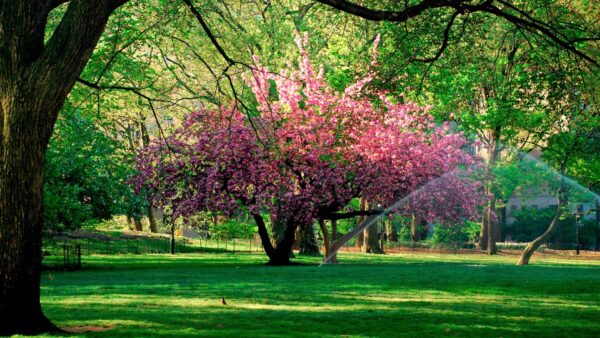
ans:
(365, 296)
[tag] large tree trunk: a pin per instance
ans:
(308, 241)
(545, 237)
(371, 237)
(279, 254)
(35, 78)
(152, 221)
(415, 233)
(278, 233)
(371, 243)
(488, 216)
(21, 179)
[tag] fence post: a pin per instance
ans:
(65, 255)
(78, 253)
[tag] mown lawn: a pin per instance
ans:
(365, 296)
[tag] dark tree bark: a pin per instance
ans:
(138, 224)
(278, 233)
(35, 79)
(279, 254)
(308, 241)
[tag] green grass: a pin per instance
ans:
(384, 296)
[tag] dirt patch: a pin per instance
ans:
(88, 328)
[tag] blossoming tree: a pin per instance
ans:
(304, 154)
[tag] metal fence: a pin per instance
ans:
(66, 253)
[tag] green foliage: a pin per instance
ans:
(457, 234)
(235, 228)
(218, 226)
(85, 175)
(404, 234)
(531, 223)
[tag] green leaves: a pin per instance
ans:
(85, 175)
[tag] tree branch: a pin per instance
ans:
(351, 214)
(135, 91)
(444, 41)
(524, 20)
(382, 15)
(208, 32)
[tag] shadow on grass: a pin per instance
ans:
(155, 295)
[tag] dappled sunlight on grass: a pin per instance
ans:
(390, 295)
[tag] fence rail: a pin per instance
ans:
(151, 245)
(66, 253)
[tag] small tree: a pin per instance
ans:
(304, 154)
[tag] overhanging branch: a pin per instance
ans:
(520, 18)
(351, 214)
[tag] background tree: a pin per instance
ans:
(85, 176)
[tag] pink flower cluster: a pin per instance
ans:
(308, 152)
